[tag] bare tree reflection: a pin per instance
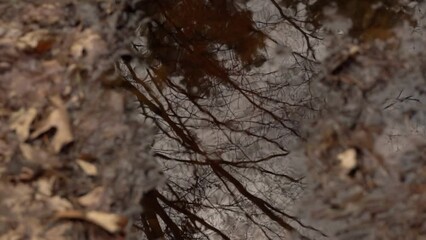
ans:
(224, 125)
(371, 19)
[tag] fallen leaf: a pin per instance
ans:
(28, 151)
(59, 120)
(21, 122)
(88, 44)
(354, 49)
(88, 168)
(92, 198)
(45, 186)
(348, 159)
(28, 173)
(111, 222)
(59, 203)
(39, 41)
(39, 156)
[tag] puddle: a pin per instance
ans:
(262, 93)
(368, 20)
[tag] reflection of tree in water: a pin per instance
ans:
(371, 19)
(224, 124)
(199, 41)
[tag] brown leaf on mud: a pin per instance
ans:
(59, 204)
(45, 186)
(348, 159)
(92, 198)
(88, 44)
(21, 122)
(27, 151)
(58, 119)
(113, 223)
(28, 173)
(39, 157)
(39, 41)
(88, 168)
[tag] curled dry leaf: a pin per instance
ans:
(21, 122)
(45, 186)
(59, 204)
(28, 173)
(39, 41)
(111, 222)
(59, 120)
(348, 159)
(88, 168)
(92, 198)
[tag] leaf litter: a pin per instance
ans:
(59, 120)
(64, 156)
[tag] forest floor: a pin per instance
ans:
(70, 145)
(61, 136)
(366, 159)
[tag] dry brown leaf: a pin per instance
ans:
(59, 204)
(39, 40)
(28, 151)
(31, 39)
(88, 168)
(28, 173)
(21, 122)
(45, 186)
(348, 159)
(59, 120)
(111, 222)
(39, 156)
(92, 198)
(88, 42)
